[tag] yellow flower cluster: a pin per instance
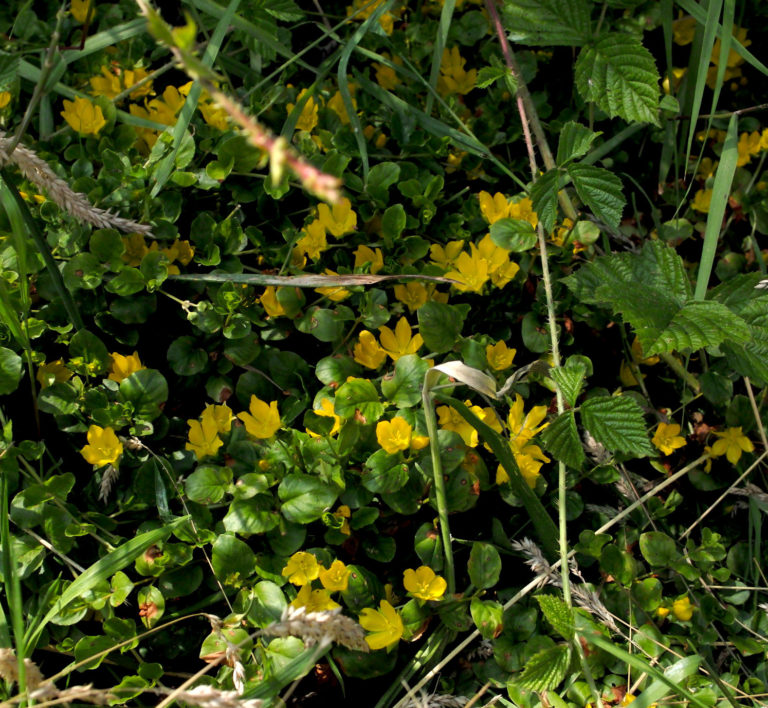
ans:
(362, 10)
(522, 428)
(337, 220)
(53, 372)
(302, 568)
(203, 438)
(402, 341)
(83, 116)
(112, 84)
(136, 248)
(498, 207)
(471, 271)
(396, 435)
(454, 78)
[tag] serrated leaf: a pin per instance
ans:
(696, 325)
(489, 75)
(575, 141)
(548, 22)
(751, 357)
(513, 234)
(600, 190)
(558, 614)
(617, 422)
(561, 440)
(737, 291)
(546, 669)
(544, 197)
(570, 379)
(619, 75)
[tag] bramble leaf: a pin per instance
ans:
(548, 22)
(600, 190)
(546, 669)
(558, 614)
(617, 422)
(561, 440)
(575, 141)
(619, 74)
(544, 196)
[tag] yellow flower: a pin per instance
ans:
(529, 460)
(326, 410)
(683, 30)
(308, 118)
(263, 421)
(493, 207)
(471, 273)
(419, 442)
(500, 268)
(523, 210)
(103, 448)
(181, 251)
(135, 249)
(342, 514)
(385, 624)
(731, 444)
(499, 356)
(83, 116)
(53, 372)
(336, 104)
(368, 352)
(446, 256)
(214, 115)
(362, 9)
(337, 293)
(706, 168)
(400, 342)
(682, 609)
(523, 427)
(702, 200)
(394, 435)
(667, 438)
(386, 76)
(450, 419)
(313, 243)
(453, 77)
(335, 578)
(413, 294)
(203, 437)
(111, 85)
(302, 568)
(748, 146)
(662, 611)
(314, 600)
(5, 98)
(423, 584)
(374, 257)
(123, 366)
(83, 10)
(338, 219)
(221, 415)
(270, 303)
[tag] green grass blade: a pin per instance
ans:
(677, 673)
(107, 38)
(166, 165)
(446, 15)
(671, 677)
(721, 190)
(101, 570)
(545, 528)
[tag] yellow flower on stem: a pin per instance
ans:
(263, 420)
(523, 427)
(493, 207)
(445, 256)
(702, 200)
(530, 460)
(413, 295)
(221, 415)
(327, 410)
(374, 257)
(499, 356)
(338, 219)
(123, 366)
(53, 372)
(337, 293)
(394, 435)
(270, 303)
(203, 437)
(748, 146)
(450, 419)
(453, 77)
(83, 10)
(111, 85)
(400, 342)
(135, 249)
(314, 242)
(500, 268)
(423, 584)
(667, 438)
(5, 98)
(308, 118)
(732, 443)
(682, 609)
(471, 273)
(342, 514)
(83, 116)
(314, 600)
(335, 578)
(336, 104)
(368, 352)
(301, 569)
(103, 448)
(385, 625)
(522, 209)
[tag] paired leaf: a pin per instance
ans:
(561, 440)
(617, 422)
(600, 190)
(575, 141)
(619, 75)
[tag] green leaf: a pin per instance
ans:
(617, 422)
(489, 75)
(147, 390)
(570, 378)
(440, 325)
(208, 484)
(600, 190)
(484, 565)
(487, 616)
(404, 387)
(647, 593)
(305, 498)
(384, 473)
(380, 178)
(358, 398)
(544, 196)
(232, 559)
(92, 352)
(619, 75)
(513, 234)
(561, 440)
(185, 357)
(247, 517)
(575, 141)
(393, 221)
(751, 357)
(546, 669)
(658, 548)
(558, 614)
(10, 371)
(548, 22)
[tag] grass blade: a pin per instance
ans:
(721, 190)
(446, 15)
